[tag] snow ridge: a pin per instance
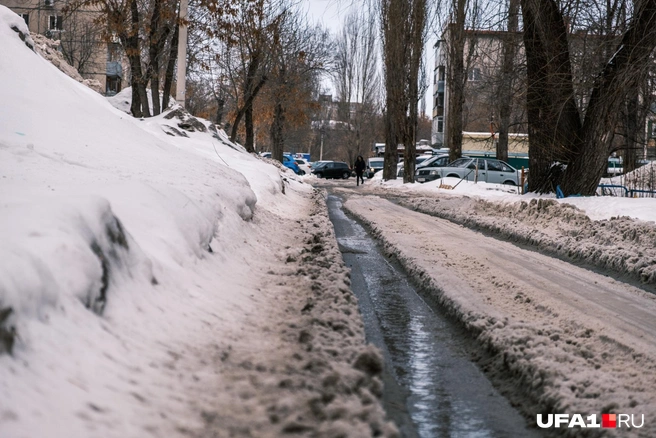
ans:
(621, 244)
(539, 354)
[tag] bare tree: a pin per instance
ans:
(403, 25)
(456, 78)
(558, 130)
(357, 81)
(508, 66)
(81, 42)
(393, 13)
(248, 28)
(300, 53)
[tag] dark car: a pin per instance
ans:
(332, 169)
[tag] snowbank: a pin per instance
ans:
(152, 280)
(557, 338)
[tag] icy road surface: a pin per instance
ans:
(561, 339)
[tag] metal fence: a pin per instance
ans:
(641, 183)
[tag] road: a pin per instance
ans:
(571, 340)
(432, 389)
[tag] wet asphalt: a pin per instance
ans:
(432, 388)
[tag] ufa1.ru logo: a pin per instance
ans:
(608, 421)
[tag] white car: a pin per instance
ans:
(303, 165)
(424, 161)
(374, 165)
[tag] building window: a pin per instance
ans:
(56, 22)
(441, 73)
(474, 74)
(439, 100)
(26, 17)
(440, 124)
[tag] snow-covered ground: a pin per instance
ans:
(554, 337)
(570, 340)
(157, 280)
(614, 233)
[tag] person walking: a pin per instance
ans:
(359, 169)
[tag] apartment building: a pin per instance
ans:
(81, 38)
(483, 54)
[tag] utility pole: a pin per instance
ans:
(182, 55)
(322, 130)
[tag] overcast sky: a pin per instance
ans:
(331, 14)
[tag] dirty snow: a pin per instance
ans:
(555, 338)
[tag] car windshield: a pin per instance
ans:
(376, 164)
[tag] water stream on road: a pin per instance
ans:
(432, 389)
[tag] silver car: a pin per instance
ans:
(488, 170)
(426, 161)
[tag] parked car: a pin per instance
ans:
(333, 169)
(288, 161)
(303, 165)
(481, 169)
(374, 165)
(440, 160)
(615, 166)
(315, 164)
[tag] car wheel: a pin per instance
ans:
(301, 172)
(452, 175)
(510, 183)
(319, 175)
(346, 175)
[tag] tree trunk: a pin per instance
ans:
(170, 68)
(134, 55)
(249, 126)
(632, 134)
(153, 66)
(554, 124)
(157, 39)
(618, 80)
(456, 81)
(251, 89)
(135, 105)
(244, 113)
(277, 135)
(505, 94)
(394, 28)
(218, 117)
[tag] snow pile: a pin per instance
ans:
(618, 244)
(147, 280)
(49, 49)
(15, 23)
(643, 178)
(315, 379)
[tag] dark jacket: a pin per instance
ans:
(360, 165)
